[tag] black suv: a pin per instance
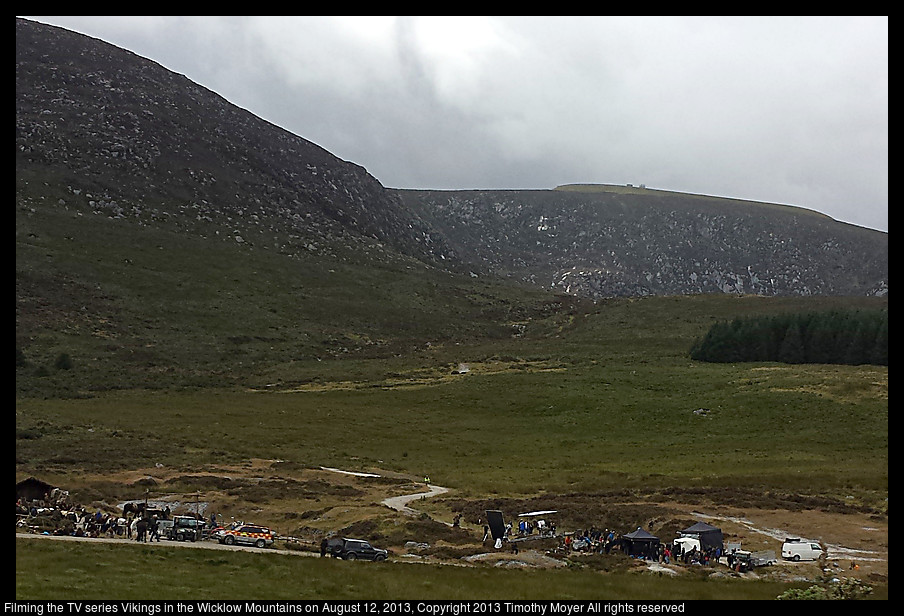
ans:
(351, 549)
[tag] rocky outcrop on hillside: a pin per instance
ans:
(605, 244)
(107, 131)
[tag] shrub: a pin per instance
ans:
(848, 588)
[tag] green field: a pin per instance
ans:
(196, 353)
(83, 572)
(607, 402)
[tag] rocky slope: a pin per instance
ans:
(107, 133)
(104, 130)
(600, 241)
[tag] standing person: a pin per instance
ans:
(323, 545)
(154, 526)
(486, 532)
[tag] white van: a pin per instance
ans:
(797, 549)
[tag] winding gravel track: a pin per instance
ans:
(400, 503)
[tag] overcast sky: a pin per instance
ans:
(789, 110)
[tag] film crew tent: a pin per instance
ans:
(32, 489)
(708, 536)
(639, 543)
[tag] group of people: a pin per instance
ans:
(707, 556)
(606, 541)
(593, 539)
(145, 529)
(56, 517)
(527, 527)
(676, 553)
(67, 519)
(79, 522)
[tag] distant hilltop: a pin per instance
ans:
(631, 189)
(602, 240)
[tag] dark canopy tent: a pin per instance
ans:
(32, 489)
(639, 543)
(709, 536)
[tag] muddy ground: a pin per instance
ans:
(305, 504)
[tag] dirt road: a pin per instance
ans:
(400, 503)
(164, 544)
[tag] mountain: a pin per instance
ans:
(605, 241)
(119, 135)
(105, 130)
(165, 235)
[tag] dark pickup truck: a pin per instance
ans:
(352, 549)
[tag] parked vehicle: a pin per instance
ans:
(185, 528)
(744, 561)
(212, 533)
(247, 534)
(164, 527)
(353, 549)
(797, 549)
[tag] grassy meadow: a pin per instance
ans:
(194, 352)
(88, 571)
(600, 400)
(606, 401)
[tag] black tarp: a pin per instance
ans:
(709, 536)
(496, 524)
(639, 543)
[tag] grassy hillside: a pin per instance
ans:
(605, 400)
(148, 306)
(201, 353)
(189, 350)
